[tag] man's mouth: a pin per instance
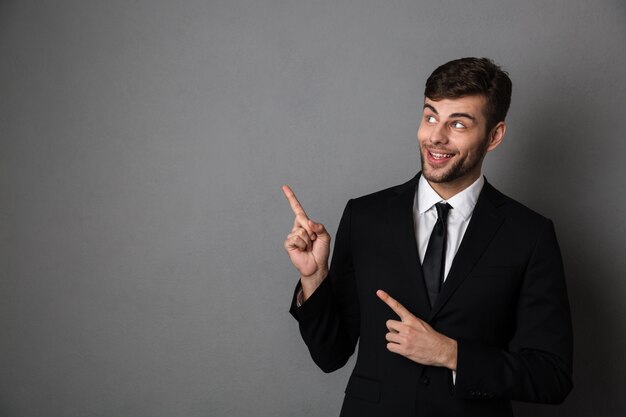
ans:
(439, 156)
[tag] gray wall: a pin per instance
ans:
(142, 149)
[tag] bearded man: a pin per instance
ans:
(454, 291)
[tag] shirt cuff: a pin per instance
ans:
(300, 298)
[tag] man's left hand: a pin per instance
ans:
(415, 339)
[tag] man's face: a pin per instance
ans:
(453, 140)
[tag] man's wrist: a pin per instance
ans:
(451, 350)
(311, 283)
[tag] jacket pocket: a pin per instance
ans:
(363, 389)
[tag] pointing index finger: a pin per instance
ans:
(398, 308)
(293, 201)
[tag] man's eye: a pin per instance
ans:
(431, 119)
(458, 125)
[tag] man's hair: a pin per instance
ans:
(473, 76)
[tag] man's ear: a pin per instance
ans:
(496, 135)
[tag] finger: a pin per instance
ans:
(393, 338)
(394, 326)
(304, 235)
(395, 348)
(318, 228)
(293, 201)
(398, 308)
(295, 242)
(302, 222)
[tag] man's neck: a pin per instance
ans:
(447, 190)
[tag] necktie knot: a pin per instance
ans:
(442, 211)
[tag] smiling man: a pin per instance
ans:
(454, 137)
(454, 292)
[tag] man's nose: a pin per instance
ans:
(438, 134)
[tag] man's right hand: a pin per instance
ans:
(308, 246)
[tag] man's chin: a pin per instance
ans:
(437, 177)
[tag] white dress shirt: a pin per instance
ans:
(425, 217)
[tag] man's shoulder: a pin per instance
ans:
(383, 196)
(510, 207)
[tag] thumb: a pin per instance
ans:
(318, 228)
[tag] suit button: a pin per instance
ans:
(472, 393)
(425, 380)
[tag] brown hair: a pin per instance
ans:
(473, 76)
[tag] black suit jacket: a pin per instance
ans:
(504, 301)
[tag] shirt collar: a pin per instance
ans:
(463, 203)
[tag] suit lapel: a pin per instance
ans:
(485, 222)
(401, 226)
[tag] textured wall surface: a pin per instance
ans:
(142, 149)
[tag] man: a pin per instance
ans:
(455, 291)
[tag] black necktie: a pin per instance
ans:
(435, 258)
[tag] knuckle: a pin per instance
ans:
(302, 234)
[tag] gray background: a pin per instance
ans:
(142, 149)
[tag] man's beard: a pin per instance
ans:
(458, 170)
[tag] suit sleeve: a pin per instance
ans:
(540, 369)
(329, 319)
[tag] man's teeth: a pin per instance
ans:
(440, 155)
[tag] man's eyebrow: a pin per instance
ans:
(453, 115)
(428, 106)
(468, 116)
